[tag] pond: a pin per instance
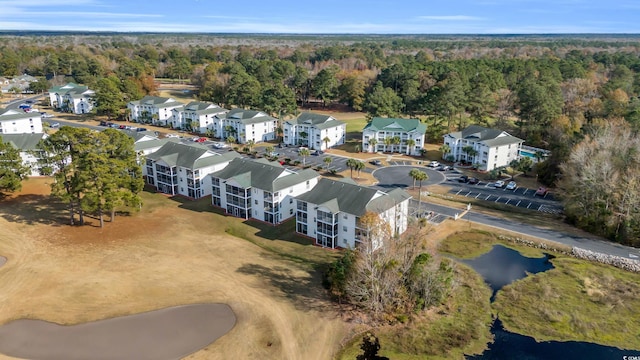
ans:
(500, 267)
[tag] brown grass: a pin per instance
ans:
(169, 254)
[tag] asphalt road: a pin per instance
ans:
(389, 177)
(397, 176)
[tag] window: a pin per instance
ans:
(290, 211)
(256, 202)
(344, 228)
(345, 216)
(290, 200)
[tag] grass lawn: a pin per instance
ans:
(576, 301)
(173, 252)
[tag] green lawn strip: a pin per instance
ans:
(355, 125)
(576, 301)
(460, 326)
(471, 244)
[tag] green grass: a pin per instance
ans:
(470, 244)
(356, 125)
(461, 326)
(576, 301)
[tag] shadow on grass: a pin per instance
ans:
(305, 291)
(34, 209)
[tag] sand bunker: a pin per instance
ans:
(170, 333)
(3, 260)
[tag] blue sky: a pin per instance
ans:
(328, 16)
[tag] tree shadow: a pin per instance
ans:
(33, 209)
(304, 291)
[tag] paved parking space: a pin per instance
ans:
(520, 197)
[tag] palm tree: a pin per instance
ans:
(327, 161)
(410, 144)
(280, 133)
(540, 155)
(304, 135)
(373, 142)
(326, 142)
(304, 153)
(396, 141)
(352, 164)
(467, 149)
(472, 153)
(250, 144)
(359, 166)
(445, 149)
(414, 175)
(231, 140)
(268, 151)
(387, 142)
(420, 176)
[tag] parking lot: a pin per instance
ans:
(520, 197)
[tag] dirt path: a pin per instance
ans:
(165, 256)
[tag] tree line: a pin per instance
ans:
(554, 92)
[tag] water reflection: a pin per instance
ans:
(501, 266)
(508, 345)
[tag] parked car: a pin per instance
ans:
(463, 179)
(199, 139)
(512, 185)
(172, 136)
(54, 125)
(375, 162)
(46, 115)
(220, 145)
(499, 184)
(434, 164)
(104, 123)
(302, 148)
(444, 168)
(473, 181)
(141, 129)
(542, 191)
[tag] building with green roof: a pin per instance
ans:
(153, 110)
(404, 136)
(316, 131)
(486, 148)
(71, 97)
(183, 169)
(260, 189)
(330, 213)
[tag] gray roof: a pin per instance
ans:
(188, 156)
(264, 175)
(319, 121)
(138, 135)
(249, 116)
(201, 107)
(350, 198)
(150, 144)
(13, 114)
(23, 141)
(156, 101)
(395, 124)
(491, 137)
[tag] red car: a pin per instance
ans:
(200, 139)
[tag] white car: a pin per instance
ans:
(434, 164)
(219, 145)
(499, 184)
(172, 136)
(512, 185)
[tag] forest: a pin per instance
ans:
(555, 92)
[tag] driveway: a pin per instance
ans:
(397, 176)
